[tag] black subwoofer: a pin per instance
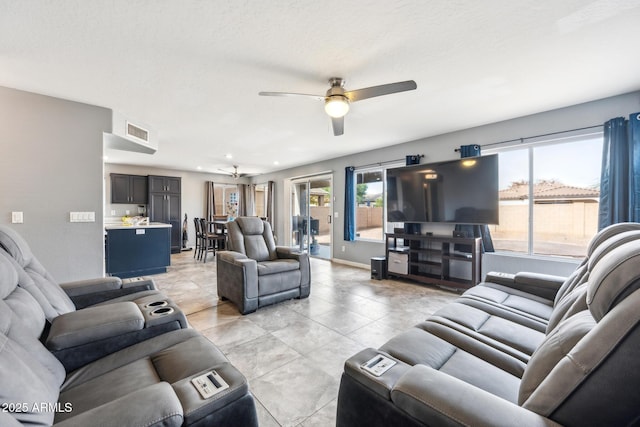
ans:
(378, 268)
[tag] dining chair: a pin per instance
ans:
(196, 252)
(210, 241)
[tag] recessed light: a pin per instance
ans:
(229, 156)
(199, 168)
(276, 162)
(105, 158)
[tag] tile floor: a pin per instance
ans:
(292, 353)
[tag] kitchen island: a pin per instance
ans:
(136, 250)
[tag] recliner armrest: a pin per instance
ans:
(238, 269)
(436, 398)
(89, 286)
(542, 285)
(156, 404)
(106, 285)
(94, 323)
(231, 256)
(286, 252)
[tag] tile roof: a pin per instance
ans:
(550, 190)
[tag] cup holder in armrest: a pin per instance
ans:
(162, 311)
(156, 304)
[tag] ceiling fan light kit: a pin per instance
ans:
(336, 101)
(336, 106)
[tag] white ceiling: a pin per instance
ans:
(192, 69)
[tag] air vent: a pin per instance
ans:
(137, 132)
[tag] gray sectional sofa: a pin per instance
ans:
(128, 361)
(524, 349)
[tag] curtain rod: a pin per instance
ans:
(384, 163)
(538, 136)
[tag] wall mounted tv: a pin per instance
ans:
(461, 191)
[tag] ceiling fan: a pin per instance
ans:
(234, 174)
(337, 100)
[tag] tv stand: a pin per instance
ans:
(427, 258)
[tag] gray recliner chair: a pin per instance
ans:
(254, 272)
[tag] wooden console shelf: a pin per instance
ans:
(427, 259)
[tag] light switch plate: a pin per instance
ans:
(82, 217)
(17, 218)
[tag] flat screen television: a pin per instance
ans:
(461, 191)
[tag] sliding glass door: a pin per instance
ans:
(311, 215)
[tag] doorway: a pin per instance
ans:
(311, 202)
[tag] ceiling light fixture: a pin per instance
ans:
(336, 106)
(228, 156)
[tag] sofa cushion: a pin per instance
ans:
(252, 237)
(280, 282)
(556, 346)
(512, 299)
(613, 278)
(277, 266)
(417, 346)
(19, 250)
(27, 384)
(256, 248)
(487, 328)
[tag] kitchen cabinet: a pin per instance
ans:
(165, 206)
(130, 189)
(135, 251)
(164, 184)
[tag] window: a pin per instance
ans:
(227, 199)
(562, 177)
(261, 197)
(370, 204)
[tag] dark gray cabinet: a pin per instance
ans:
(128, 189)
(164, 184)
(164, 205)
(137, 251)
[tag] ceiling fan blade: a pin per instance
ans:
(373, 91)
(306, 95)
(338, 125)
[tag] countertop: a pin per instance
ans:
(120, 226)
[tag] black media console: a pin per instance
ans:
(428, 258)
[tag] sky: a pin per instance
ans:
(577, 164)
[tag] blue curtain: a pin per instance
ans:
(472, 150)
(620, 173)
(634, 157)
(349, 204)
(474, 230)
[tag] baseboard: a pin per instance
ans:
(351, 263)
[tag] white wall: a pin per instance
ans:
(51, 164)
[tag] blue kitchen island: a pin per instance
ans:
(137, 250)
